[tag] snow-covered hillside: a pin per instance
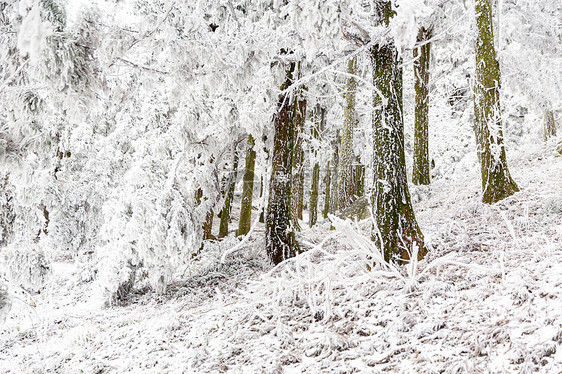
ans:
(141, 140)
(488, 299)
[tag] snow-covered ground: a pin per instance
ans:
(487, 299)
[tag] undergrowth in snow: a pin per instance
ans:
(487, 299)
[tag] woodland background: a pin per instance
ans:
(126, 125)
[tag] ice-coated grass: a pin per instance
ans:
(487, 299)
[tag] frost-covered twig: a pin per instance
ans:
(242, 243)
(337, 62)
(11, 77)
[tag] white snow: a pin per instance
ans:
(487, 299)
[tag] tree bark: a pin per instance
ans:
(313, 210)
(280, 238)
(334, 177)
(549, 124)
(208, 224)
(346, 190)
(327, 198)
(226, 210)
(422, 55)
(297, 183)
(359, 178)
(248, 189)
(262, 210)
(396, 231)
(497, 183)
(319, 116)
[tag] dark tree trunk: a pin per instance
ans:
(327, 197)
(549, 124)
(208, 226)
(497, 183)
(346, 188)
(334, 177)
(225, 212)
(313, 210)
(397, 231)
(297, 185)
(280, 238)
(422, 55)
(262, 210)
(248, 189)
(319, 115)
(359, 178)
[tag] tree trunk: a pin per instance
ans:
(262, 210)
(225, 212)
(208, 226)
(359, 178)
(421, 134)
(313, 210)
(549, 124)
(297, 183)
(248, 189)
(397, 231)
(497, 183)
(280, 238)
(328, 183)
(335, 175)
(346, 190)
(301, 192)
(319, 115)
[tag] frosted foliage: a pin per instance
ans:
(74, 218)
(32, 39)
(5, 302)
(146, 229)
(405, 24)
(26, 265)
(530, 50)
(114, 114)
(7, 215)
(317, 22)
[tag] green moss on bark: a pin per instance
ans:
(346, 188)
(280, 238)
(497, 183)
(247, 189)
(396, 230)
(226, 210)
(422, 54)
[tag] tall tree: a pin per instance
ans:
(396, 231)
(327, 192)
(422, 55)
(231, 182)
(318, 120)
(549, 124)
(359, 178)
(280, 238)
(497, 183)
(247, 189)
(208, 224)
(297, 182)
(346, 188)
(262, 210)
(334, 174)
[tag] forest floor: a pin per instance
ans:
(487, 299)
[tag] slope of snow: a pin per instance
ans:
(488, 299)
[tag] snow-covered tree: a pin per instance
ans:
(497, 183)
(396, 230)
(422, 54)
